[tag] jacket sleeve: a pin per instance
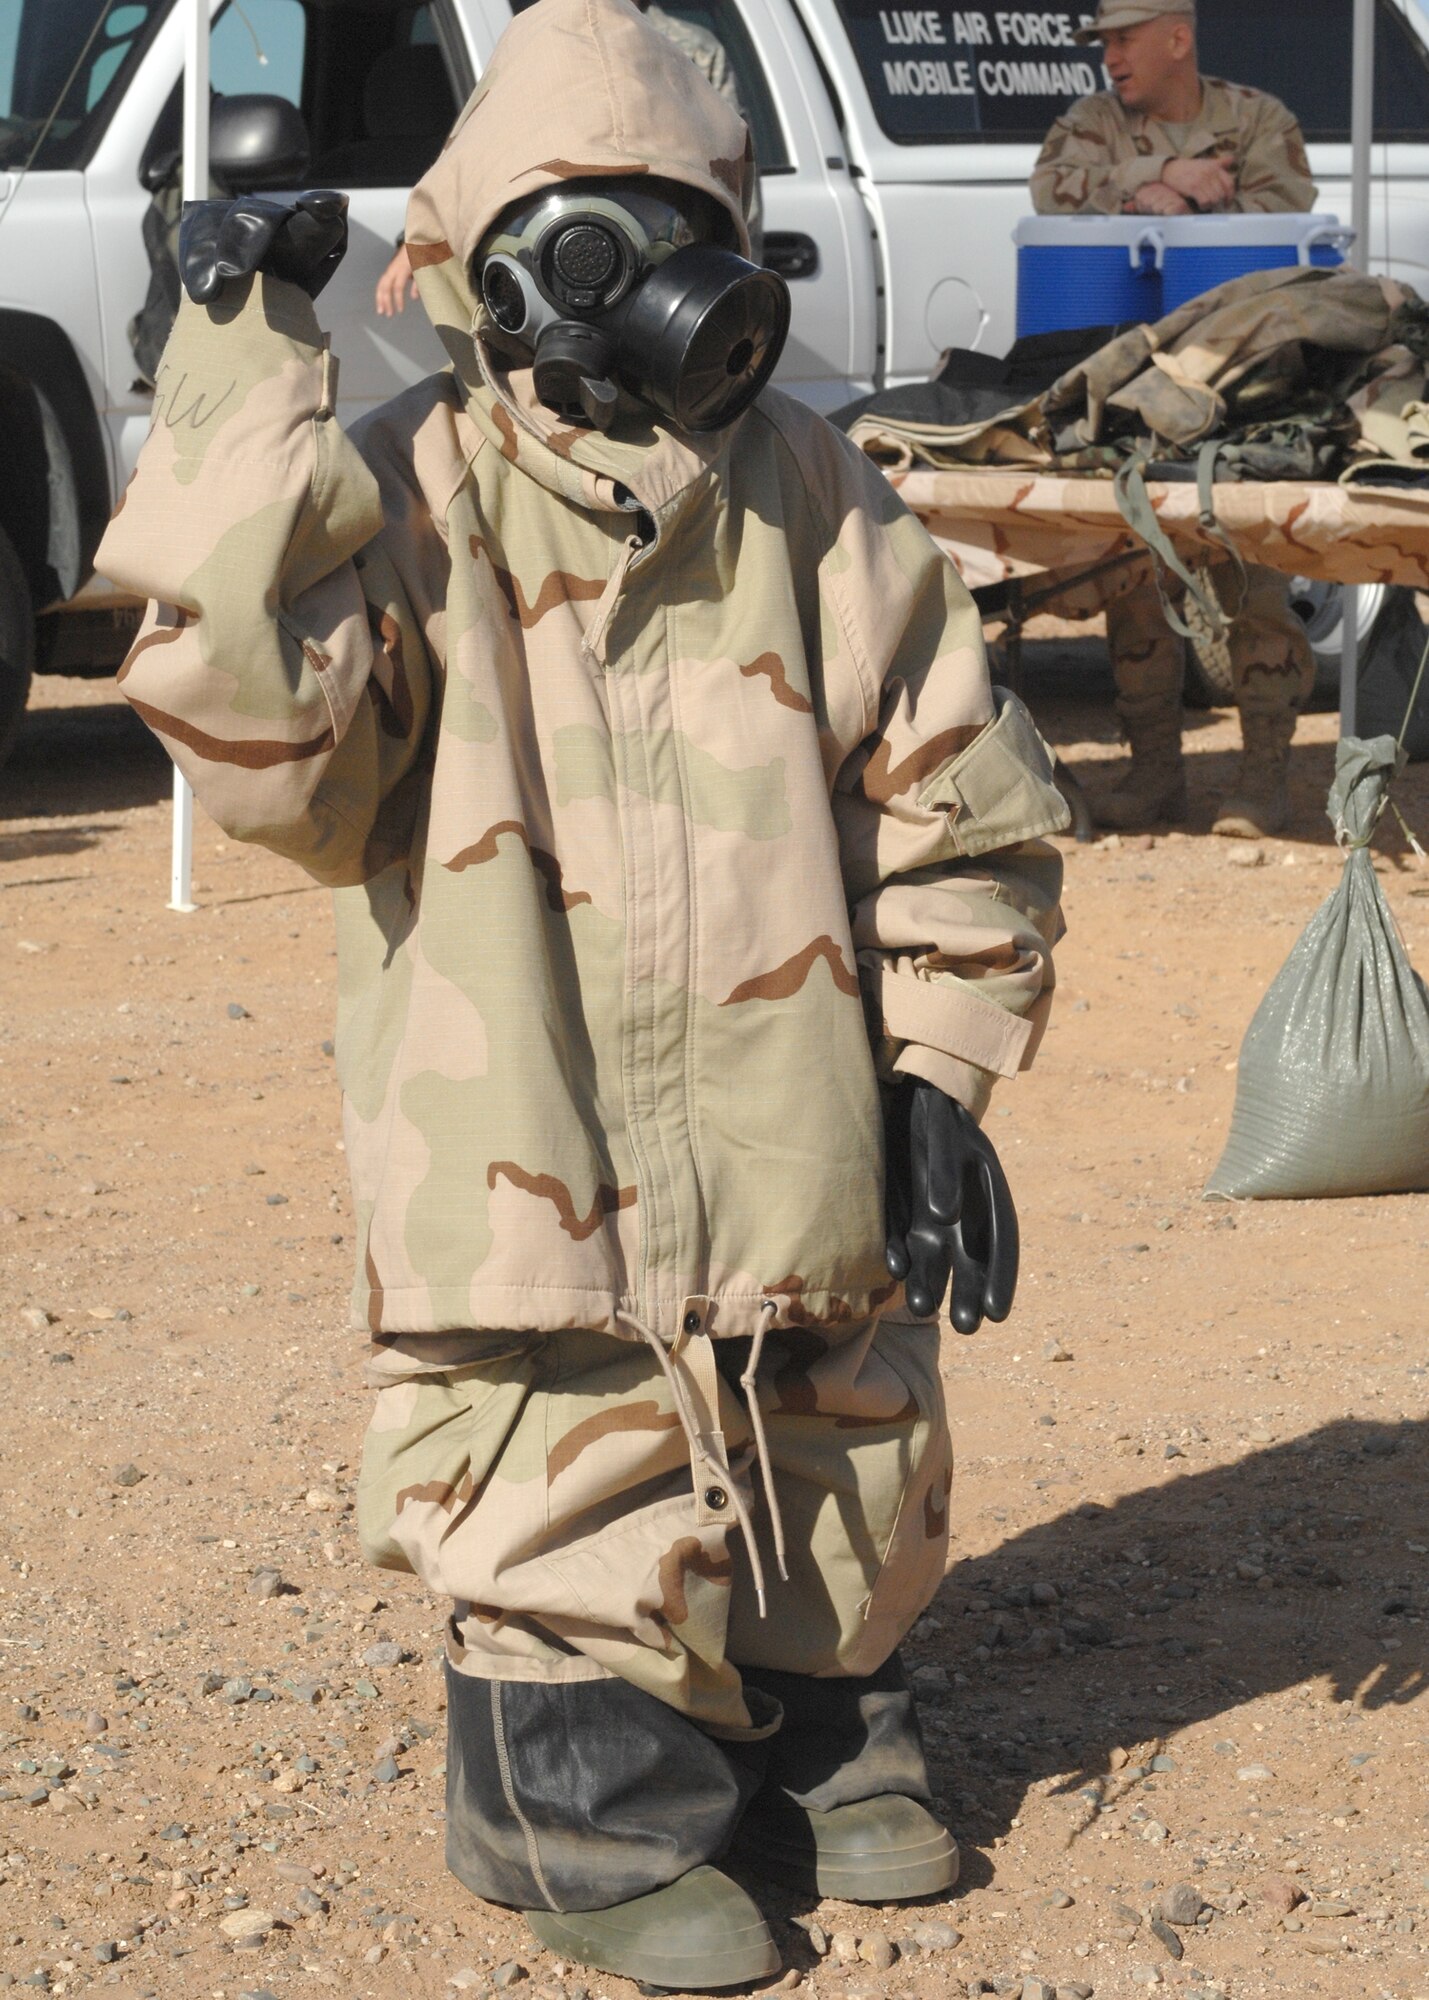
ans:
(941, 802)
(1274, 170)
(1075, 173)
(279, 661)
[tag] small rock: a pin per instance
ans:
(320, 1500)
(1046, 1593)
(1182, 1903)
(818, 1939)
(1254, 1774)
(1038, 1989)
(238, 1689)
(126, 1475)
(1059, 1900)
(1075, 1989)
(265, 1582)
(1117, 1758)
(1330, 1907)
(937, 1936)
(386, 1653)
(173, 1831)
(1054, 1351)
(36, 1318)
(238, 1012)
(1244, 854)
(844, 1946)
(509, 1974)
(1163, 1763)
(94, 1723)
(276, 1200)
(878, 1951)
(1153, 1831)
(107, 1952)
(464, 1980)
(250, 1291)
(210, 1683)
(386, 1772)
(246, 1924)
(1165, 1936)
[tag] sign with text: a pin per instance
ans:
(946, 73)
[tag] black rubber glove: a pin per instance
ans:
(300, 237)
(950, 1210)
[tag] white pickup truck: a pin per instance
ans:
(894, 145)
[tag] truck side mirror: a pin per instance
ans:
(257, 142)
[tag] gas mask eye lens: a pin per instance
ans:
(504, 299)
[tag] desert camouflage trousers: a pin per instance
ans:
(548, 1485)
(1271, 663)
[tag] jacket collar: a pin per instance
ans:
(646, 465)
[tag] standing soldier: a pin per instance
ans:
(691, 894)
(1164, 140)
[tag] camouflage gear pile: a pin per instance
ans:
(1098, 156)
(651, 772)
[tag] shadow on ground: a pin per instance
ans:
(1178, 1604)
(70, 763)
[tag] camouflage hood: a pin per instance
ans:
(575, 90)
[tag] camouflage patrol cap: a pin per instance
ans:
(1130, 14)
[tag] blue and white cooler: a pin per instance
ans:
(1087, 270)
(1203, 251)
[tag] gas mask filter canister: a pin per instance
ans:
(616, 288)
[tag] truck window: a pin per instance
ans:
(940, 75)
(64, 65)
(258, 46)
(726, 24)
(380, 94)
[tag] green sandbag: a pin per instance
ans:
(1332, 1088)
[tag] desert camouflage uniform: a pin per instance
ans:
(1095, 159)
(1098, 155)
(667, 807)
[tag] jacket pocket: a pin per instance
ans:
(1000, 790)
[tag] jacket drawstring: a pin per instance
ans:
(706, 1463)
(749, 1382)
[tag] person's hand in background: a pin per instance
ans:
(1155, 198)
(1206, 183)
(394, 284)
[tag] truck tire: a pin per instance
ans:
(17, 645)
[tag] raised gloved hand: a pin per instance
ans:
(950, 1211)
(300, 237)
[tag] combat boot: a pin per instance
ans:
(1155, 786)
(1260, 803)
(697, 1935)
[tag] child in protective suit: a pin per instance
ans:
(685, 864)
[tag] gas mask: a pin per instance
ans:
(615, 286)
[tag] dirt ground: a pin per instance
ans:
(1182, 1641)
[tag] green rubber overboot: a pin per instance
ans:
(884, 1850)
(695, 1935)
(1155, 786)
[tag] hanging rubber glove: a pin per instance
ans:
(300, 237)
(950, 1210)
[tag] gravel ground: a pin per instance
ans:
(1173, 1685)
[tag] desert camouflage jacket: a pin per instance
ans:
(1098, 155)
(659, 779)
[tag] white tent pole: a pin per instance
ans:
(1361, 187)
(195, 188)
